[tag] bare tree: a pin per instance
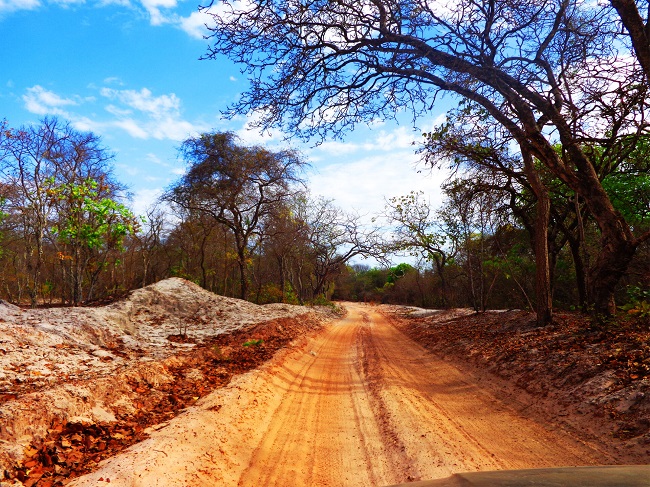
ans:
(417, 230)
(548, 72)
(37, 159)
(334, 238)
(150, 240)
(236, 186)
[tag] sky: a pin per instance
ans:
(130, 71)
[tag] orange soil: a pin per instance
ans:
(357, 404)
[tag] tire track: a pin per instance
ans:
(358, 404)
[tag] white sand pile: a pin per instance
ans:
(43, 346)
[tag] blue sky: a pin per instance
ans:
(129, 71)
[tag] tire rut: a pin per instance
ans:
(358, 404)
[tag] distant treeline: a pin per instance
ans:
(241, 223)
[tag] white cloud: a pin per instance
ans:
(360, 172)
(40, 101)
(194, 25)
(119, 112)
(144, 100)
(174, 129)
(337, 148)
(132, 128)
(362, 185)
(144, 115)
(252, 135)
(113, 80)
(382, 141)
(157, 10)
(86, 124)
(123, 3)
(144, 199)
(160, 12)
(401, 138)
(13, 5)
(151, 157)
(65, 3)
(138, 112)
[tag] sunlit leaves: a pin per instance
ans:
(90, 220)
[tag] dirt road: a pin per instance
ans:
(359, 404)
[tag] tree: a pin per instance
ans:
(87, 231)
(36, 159)
(637, 28)
(287, 244)
(3, 216)
(475, 143)
(236, 186)
(417, 232)
(334, 237)
(470, 218)
(150, 241)
(548, 72)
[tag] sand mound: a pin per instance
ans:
(44, 346)
(54, 361)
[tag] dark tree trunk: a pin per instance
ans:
(610, 267)
(618, 246)
(638, 30)
(543, 306)
(581, 275)
(241, 261)
(440, 267)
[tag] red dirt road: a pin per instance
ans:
(359, 404)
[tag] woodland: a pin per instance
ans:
(547, 207)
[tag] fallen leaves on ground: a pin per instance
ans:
(73, 449)
(598, 369)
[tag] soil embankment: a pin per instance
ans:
(78, 385)
(592, 380)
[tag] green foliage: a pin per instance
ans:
(90, 220)
(415, 230)
(253, 343)
(290, 296)
(630, 194)
(361, 283)
(639, 302)
(398, 272)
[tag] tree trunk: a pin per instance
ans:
(618, 244)
(241, 261)
(581, 275)
(633, 22)
(610, 267)
(543, 306)
(440, 267)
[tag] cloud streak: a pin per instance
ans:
(159, 12)
(7, 6)
(40, 101)
(139, 113)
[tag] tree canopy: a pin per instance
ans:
(236, 186)
(549, 72)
